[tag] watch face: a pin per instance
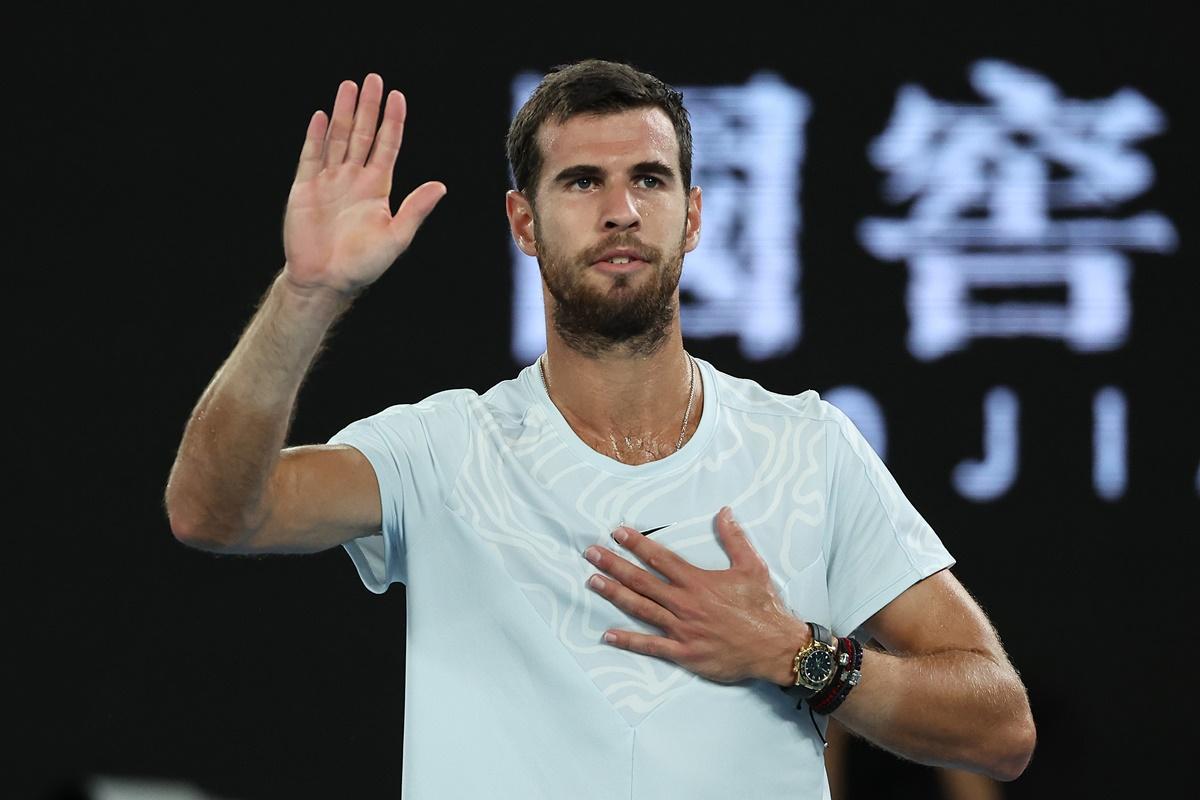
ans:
(817, 666)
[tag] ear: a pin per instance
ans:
(692, 234)
(520, 221)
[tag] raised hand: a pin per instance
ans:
(339, 232)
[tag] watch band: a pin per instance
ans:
(819, 634)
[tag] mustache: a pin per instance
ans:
(593, 254)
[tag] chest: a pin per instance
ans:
(525, 515)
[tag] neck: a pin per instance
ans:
(630, 406)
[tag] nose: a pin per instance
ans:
(620, 211)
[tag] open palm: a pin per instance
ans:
(339, 231)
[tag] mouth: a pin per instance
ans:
(619, 265)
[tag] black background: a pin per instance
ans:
(153, 157)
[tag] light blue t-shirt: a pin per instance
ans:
(488, 504)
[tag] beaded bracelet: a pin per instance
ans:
(848, 676)
(847, 680)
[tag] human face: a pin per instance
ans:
(612, 182)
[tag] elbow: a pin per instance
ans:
(1013, 753)
(197, 536)
(196, 522)
(181, 514)
(194, 531)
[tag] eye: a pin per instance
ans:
(657, 182)
(577, 181)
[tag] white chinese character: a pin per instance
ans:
(996, 192)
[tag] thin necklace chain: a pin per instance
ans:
(686, 414)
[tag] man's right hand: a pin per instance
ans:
(339, 232)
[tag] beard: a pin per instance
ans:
(626, 312)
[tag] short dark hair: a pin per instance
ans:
(591, 86)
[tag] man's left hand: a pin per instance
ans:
(724, 625)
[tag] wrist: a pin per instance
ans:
(850, 657)
(320, 300)
(794, 635)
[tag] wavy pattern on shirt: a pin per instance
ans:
(524, 492)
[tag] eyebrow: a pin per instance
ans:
(591, 171)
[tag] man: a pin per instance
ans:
(484, 505)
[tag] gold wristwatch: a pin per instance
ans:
(815, 665)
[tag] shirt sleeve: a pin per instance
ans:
(415, 450)
(878, 543)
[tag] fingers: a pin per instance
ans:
(391, 132)
(338, 140)
(632, 602)
(737, 544)
(654, 555)
(663, 593)
(314, 142)
(642, 643)
(415, 209)
(349, 133)
(367, 114)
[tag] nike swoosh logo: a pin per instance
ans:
(659, 528)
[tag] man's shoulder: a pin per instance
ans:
(463, 407)
(748, 395)
(448, 402)
(428, 418)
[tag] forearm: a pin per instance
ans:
(956, 709)
(235, 433)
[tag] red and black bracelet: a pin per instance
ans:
(847, 677)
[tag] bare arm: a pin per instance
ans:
(232, 488)
(230, 485)
(945, 693)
